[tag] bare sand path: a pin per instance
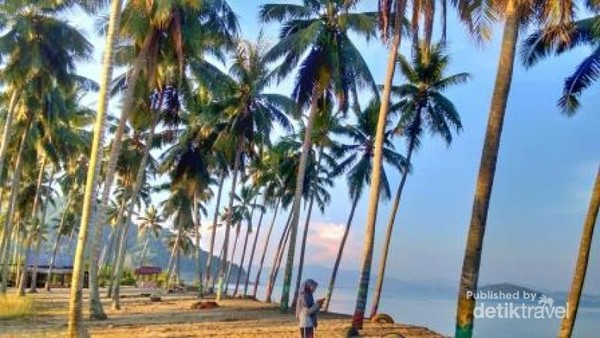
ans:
(173, 317)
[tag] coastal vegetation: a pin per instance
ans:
(187, 116)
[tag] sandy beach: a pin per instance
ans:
(173, 317)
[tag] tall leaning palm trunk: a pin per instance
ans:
(8, 126)
(31, 235)
(265, 247)
(75, 327)
(230, 262)
(96, 310)
(119, 229)
(139, 183)
(12, 201)
(369, 239)
(39, 239)
(485, 177)
(338, 258)
(57, 242)
(303, 249)
(306, 145)
(223, 262)
(277, 259)
(213, 234)
(197, 244)
(568, 321)
(305, 234)
(171, 264)
(389, 231)
(243, 258)
(249, 269)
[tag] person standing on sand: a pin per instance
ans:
(307, 308)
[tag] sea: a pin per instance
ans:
(438, 314)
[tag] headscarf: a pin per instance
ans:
(306, 299)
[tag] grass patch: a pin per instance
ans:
(12, 307)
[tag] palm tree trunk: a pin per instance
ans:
(223, 263)
(265, 247)
(122, 229)
(96, 310)
(14, 193)
(139, 183)
(57, 243)
(303, 249)
(369, 239)
(213, 280)
(31, 235)
(24, 266)
(249, 270)
(105, 256)
(18, 255)
(389, 231)
(34, 273)
(8, 126)
(289, 266)
(338, 258)
(280, 258)
(306, 225)
(230, 263)
(568, 321)
(171, 264)
(75, 328)
(213, 234)
(177, 269)
(143, 254)
(277, 259)
(38, 245)
(243, 258)
(119, 228)
(485, 177)
(198, 250)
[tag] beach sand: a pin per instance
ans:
(173, 317)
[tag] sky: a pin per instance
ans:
(546, 167)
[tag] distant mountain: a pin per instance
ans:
(158, 255)
(157, 252)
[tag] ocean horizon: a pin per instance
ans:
(438, 314)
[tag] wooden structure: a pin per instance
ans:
(147, 276)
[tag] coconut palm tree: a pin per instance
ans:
(422, 106)
(325, 149)
(538, 45)
(149, 223)
(315, 38)
(248, 113)
(515, 14)
(544, 43)
(268, 174)
(390, 23)
(248, 196)
(209, 26)
(134, 158)
(568, 321)
(44, 72)
(358, 163)
(75, 305)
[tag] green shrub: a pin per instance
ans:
(126, 279)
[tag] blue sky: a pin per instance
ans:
(545, 172)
